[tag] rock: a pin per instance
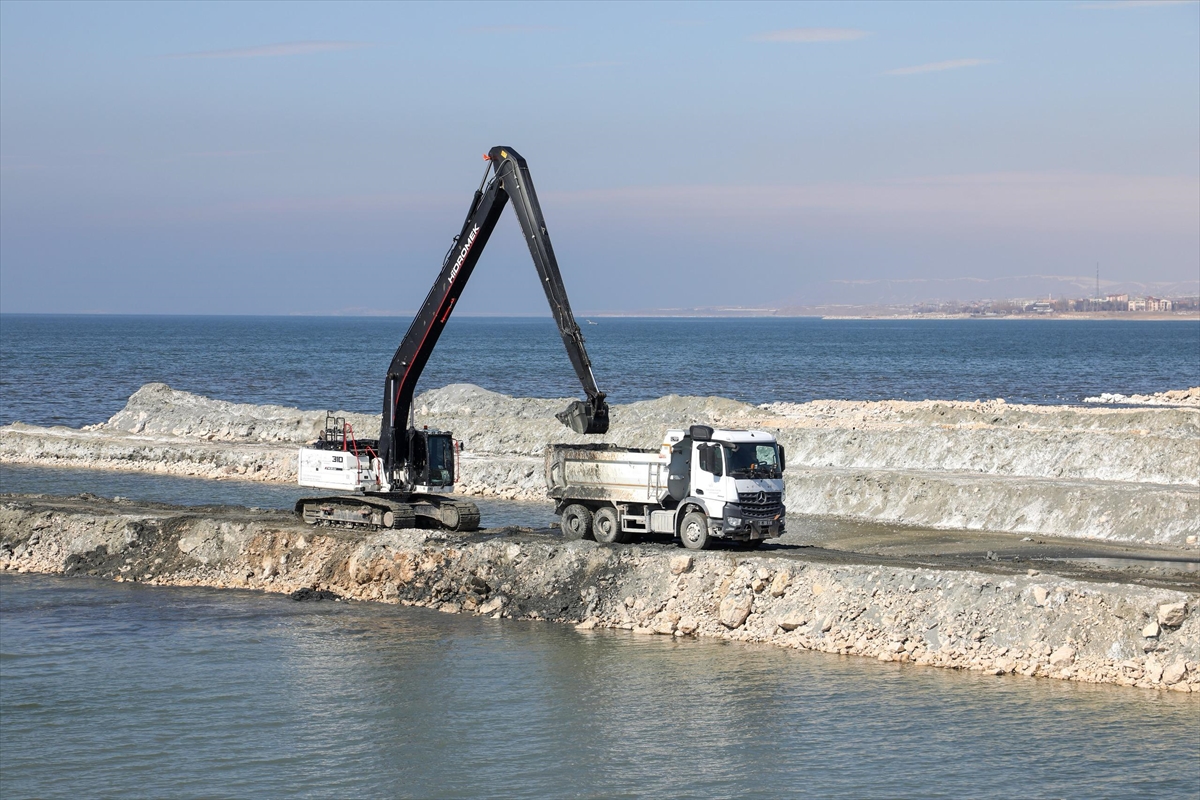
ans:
(1039, 595)
(779, 585)
(681, 564)
(1154, 670)
(1172, 615)
(450, 608)
(687, 626)
(1175, 673)
(1063, 656)
(586, 625)
(734, 609)
(643, 631)
(1150, 631)
(1004, 665)
(309, 594)
(791, 622)
(664, 627)
(495, 604)
(758, 585)
(827, 625)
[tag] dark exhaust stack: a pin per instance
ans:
(586, 416)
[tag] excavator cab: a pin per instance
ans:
(431, 460)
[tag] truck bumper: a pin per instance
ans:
(738, 527)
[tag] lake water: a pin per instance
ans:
(125, 690)
(75, 370)
(116, 689)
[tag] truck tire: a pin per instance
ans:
(606, 527)
(693, 531)
(576, 522)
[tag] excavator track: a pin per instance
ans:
(348, 511)
(446, 512)
(375, 512)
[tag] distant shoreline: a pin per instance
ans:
(585, 317)
(1083, 315)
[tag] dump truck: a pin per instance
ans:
(702, 485)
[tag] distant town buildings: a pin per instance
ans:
(1111, 303)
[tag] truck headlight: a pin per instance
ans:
(735, 521)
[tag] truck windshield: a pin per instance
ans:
(752, 460)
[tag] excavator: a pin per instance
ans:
(399, 479)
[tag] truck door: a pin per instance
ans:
(708, 470)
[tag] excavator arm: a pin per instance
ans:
(509, 178)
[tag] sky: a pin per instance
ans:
(312, 158)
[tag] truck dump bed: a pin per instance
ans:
(606, 472)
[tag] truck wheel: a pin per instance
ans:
(694, 531)
(606, 527)
(576, 522)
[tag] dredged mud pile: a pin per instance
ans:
(1119, 474)
(1028, 624)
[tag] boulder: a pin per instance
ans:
(680, 564)
(1172, 615)
(1063, 656)
(734, 610)
(1175, 673)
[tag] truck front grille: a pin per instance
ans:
(761, 504)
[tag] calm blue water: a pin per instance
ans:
(76, 370)
(117, 690)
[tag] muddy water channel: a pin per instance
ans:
(117, 689)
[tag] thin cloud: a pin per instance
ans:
(591, 64)
(504, 29)
(1006, 201)
(812, 35)
(940, 66)
(272, 50)
(1127, 4)
(224, 153)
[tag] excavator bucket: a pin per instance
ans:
(582, 416)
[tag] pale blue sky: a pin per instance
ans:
(312, 158)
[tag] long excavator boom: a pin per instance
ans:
(509, 179)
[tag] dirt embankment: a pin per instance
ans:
(1119, 474)
(1030, 624)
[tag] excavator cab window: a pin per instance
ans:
(431, 459)
(441, 461)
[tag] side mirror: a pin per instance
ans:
(782, 459)
(710, 459)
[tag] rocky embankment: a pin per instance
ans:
(1118, 474)
(1024, 624)
(1174, 397)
